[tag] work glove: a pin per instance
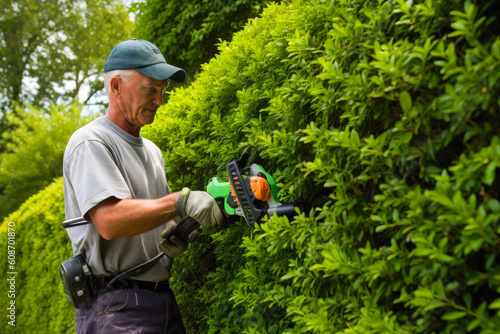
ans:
(173, 246)
(200, 206)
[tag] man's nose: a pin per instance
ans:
(159, 98)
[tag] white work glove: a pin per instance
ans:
(200, 206)
(173, 246)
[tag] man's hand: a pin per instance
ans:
(200, 206)
(173, 246)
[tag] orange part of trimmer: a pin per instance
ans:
(260, 187)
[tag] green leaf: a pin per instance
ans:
(489, 174)
(405, 101)
(495, 304)
(494, 205)
(381, 228)
(406, 138)
(473, 324)
(450, 316)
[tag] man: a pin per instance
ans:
(116, 178)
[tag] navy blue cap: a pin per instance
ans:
(144, 57)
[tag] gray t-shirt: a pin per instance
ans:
(101, 160)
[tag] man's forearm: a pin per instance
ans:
(115, 218)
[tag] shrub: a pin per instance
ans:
(381, 117)
(41, 244)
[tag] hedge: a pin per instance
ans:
(381, 118)
(38, 246)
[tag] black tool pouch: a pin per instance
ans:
(78, 282)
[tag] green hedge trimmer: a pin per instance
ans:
(250, 192)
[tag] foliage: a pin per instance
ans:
(34, 151)
(187, 31)
(51, 49)
(41, 244)
(381, 118)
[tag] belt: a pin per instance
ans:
(100, 285)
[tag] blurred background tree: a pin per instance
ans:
(52, 49)
(34, 151)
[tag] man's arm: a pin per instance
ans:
(116, 218)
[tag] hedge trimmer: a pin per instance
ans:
(250, 192)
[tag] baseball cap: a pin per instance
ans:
(144, 57)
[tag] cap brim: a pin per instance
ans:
(163, 71)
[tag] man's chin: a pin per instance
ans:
(148, 120)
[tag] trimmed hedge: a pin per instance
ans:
(41, 244)
(381, 118)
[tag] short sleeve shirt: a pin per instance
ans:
(101, 161)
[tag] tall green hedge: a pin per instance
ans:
(381, 118)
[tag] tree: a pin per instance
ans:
(188, 31)
(35, 148)
(50, 49)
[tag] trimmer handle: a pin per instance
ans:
(183, 229)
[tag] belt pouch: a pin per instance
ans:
(77, 281)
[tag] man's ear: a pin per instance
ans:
(115, 85)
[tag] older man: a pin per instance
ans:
(116, 179)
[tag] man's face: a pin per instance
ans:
(141, 96)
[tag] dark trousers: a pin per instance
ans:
(131, 310)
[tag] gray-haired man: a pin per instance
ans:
(116, 178)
